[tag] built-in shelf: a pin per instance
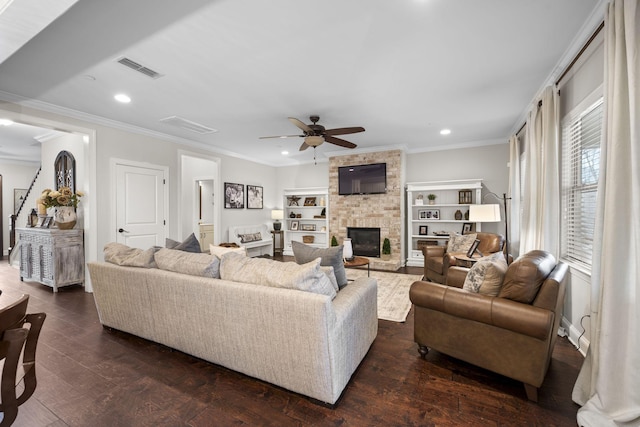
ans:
(448, 198)
(308, 217)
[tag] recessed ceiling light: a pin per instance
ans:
(285, 152)
(6, 122)
(445, 131)
(121, 97)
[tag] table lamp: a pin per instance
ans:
(276, 216)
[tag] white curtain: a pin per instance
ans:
(515, 194)
(540, 223)
(608, 387)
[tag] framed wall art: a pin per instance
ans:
(254, 197)
(423, 230)
(233, 196)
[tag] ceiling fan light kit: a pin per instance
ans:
(315, 135)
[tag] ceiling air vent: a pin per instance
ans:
(188, 125)
(139, 68)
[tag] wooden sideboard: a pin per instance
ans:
(52, 257)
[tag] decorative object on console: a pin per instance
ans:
(65, 201)
(46, 222)
(310, 201)
(254, 197)
(233, 196)
(432, 199)
(491, 213)
(420, 200)
(348, 249)
(65, 217)
(292, 215)
(458, 215)
(32, 221)
(294, 225)
(276, 216)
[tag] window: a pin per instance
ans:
(581, 135)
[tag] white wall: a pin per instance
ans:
(15, 176)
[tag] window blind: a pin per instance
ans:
(581, 136)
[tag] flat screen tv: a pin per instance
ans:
(362, 179)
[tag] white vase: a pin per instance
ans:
(65, 217)
(347, 249)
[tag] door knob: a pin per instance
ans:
(122, 230)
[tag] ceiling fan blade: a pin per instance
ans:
(340, 142)
(281, 136)
(304, 146)
(300, 124)
(344, 131)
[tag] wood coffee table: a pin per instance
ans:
(358, 261)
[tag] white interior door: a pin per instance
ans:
(140, 206)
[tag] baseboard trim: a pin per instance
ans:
(574, 335)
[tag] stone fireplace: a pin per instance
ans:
(365, 241)
(381, 211)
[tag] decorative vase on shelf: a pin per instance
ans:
(458, 215)
(65, 217)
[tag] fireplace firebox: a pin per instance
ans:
(365, 241)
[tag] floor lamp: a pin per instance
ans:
(491, 213)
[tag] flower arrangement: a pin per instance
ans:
(62, 197)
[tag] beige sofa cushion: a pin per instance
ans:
(194, 264)
(119, 254)
(261, 271)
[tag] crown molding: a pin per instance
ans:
(102, 121)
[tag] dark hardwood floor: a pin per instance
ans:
(90, 376)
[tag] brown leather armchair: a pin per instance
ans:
(437, 261)
(504, 334)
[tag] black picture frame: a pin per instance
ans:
(467, 227)
(433, 213)
(473, 248)
(423, 230)
(233, 196)
(254, 197)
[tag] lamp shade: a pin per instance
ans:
(484, 213)
(277, 214)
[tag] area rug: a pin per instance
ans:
(393, 292)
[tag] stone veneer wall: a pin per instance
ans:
(372, 210)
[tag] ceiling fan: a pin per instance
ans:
(315, 134)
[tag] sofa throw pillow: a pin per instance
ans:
(119, 254)
(190, 244)
(486, 275)
(251, 237)
(329, 257)
(460, 243)
(328, 270)
(289, 275)
(190, 263)
(221, 250)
